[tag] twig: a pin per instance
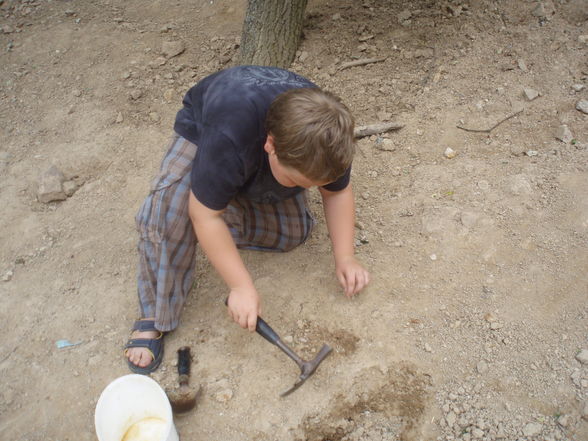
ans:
(491, 128)
(374, 129)
(361, 62)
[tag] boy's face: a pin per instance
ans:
(287, 176)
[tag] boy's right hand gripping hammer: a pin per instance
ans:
(307, 368)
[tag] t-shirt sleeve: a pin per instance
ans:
(340, 183)
(218, 171)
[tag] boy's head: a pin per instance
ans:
(312, 132)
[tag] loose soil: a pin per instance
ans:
(478, 306)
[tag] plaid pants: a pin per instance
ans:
(167, 242)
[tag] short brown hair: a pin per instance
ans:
(313, 133)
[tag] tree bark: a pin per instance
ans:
(271, 32)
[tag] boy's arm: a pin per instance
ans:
(339, 209)
(215, 239)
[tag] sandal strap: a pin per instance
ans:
(145, 325)
(152, 344)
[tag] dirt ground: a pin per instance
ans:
(475, 325)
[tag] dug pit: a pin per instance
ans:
(382, 404)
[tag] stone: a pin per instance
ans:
(450, 419)
(7, 277)
(530, 94)
(517, 149)
(564, 420)
(539, 11)
(583, 39)
(482, 367)
(7, 29)
(119, 118)
(477, 433)
(519, 185)
(170, 49)
(531, 153)
(449, 153)
(582, 106)
(69, 188)
(490, 317)
(585, 411)
(522, 65)
(578, 87)
(168, 95)
(223, 396)
(404, 15)
(303, 56)
(385, 144)
(154, 116)
(532, 429)
(564, 134)
(136, 94)
(582, 356)
(50, 186)
(483, 185)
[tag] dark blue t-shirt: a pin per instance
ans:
(224, 115)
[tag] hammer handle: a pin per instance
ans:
(266, 331)
(263, 329)
(184, 361)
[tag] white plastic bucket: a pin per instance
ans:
(128, 403)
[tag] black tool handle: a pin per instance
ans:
(266, 331)
(184, 360)
(263, 329)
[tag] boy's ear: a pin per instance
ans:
(269, 145)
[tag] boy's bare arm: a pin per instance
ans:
(216, 241)
(339, 209)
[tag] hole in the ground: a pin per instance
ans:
(379, 406)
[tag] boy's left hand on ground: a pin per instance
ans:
(352, 276)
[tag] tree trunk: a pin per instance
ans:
(271, 32)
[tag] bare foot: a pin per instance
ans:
(141, 356)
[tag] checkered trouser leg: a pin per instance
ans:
(167, 243)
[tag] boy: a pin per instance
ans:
(249, 141)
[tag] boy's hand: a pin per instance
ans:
(244, 307)
(352, 276)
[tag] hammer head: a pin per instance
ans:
(308, 368)
(183, 399)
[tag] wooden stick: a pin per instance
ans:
(491, 128)
(374, 129)
(361, 62)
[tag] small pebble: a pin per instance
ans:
(7, 277)
(564, 134)
(223, 396)
(428, 348)
(136, 94)
(582, 356)
(532, 429)
(482, 367)
(530, 94)
(531, 153)
(449, 153)
(582, 106)
(483, 185)
(578, 87)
